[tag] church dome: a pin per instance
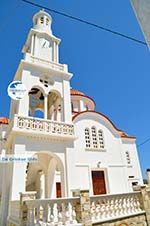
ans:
(4, 120)
(81, 102)
(76, 92)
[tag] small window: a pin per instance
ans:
(86, 107)
(72, 106)
(45, 82)
(101, 139)
(87, 138)
(128, 159)
(42, 20)
(134, 183)
(36, 21)
(94, 138)
(47, 21)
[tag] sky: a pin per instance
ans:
(112, 70)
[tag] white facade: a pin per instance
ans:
(77, 148)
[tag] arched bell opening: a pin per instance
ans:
(46, 176)
(36, 103)
(54, 106)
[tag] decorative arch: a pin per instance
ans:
(36, 102)
(40, 88)
(54, 105)
(44, 175)
(55, 91)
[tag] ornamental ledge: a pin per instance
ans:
(40, 128)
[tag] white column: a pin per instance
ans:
(57, 54)
(42, 185)
(59, 113)
(35, 46)
(82, 107)
(54, 51)
(18, 180)
(5, 193)
(62, 110)
(51, 183)
(67, 112)
(32, 44)
(46, 186)
(58, 110)
(23, 104)
(45, 106)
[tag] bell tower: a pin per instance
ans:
(41, 121)
(41, 43)
(47, 81)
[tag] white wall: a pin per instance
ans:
(80, 161)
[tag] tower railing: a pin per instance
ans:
(53, 65)
(38, 126)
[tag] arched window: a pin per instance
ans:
(36, 103)
(101, 139)
(54, 106)
(94, 137)
(87, 138)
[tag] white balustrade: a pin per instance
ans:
(47, 127)
(51, 212)
(62, 211)
(105, 207)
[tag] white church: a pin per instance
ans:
(75, 146)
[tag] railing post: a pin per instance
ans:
(83, 208)
(30, 216)
(15, 124)
(146, 202)
(23, 208)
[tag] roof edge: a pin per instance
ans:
(121, 132)
(4, 120)
(84, 96)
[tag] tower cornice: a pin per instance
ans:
(51, 69)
